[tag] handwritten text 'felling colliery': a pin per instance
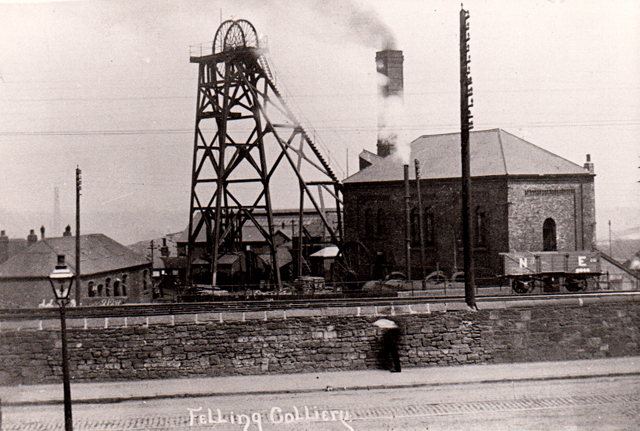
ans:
(200, 417)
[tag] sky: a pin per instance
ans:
(107, 86)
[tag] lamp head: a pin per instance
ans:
(61, 280)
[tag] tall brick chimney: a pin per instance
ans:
(390, 64)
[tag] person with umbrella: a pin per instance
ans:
(390, 340)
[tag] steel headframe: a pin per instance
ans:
(244, 134)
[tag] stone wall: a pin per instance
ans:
(306, 340)
(570, 203)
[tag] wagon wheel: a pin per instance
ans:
(232, 35)
(436, 277)
(522, 285)
(576, 284)
(352, 266)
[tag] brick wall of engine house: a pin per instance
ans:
(441, 199)
(512, 212)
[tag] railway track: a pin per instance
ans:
(282, 304)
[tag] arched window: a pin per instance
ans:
(427, 226)
(99, 290)
(381, 223)
(368, 223)
(145, 284)
(549, 240)
(123, 286)
(481, 227)
(429, 232)
(415, 226)
(107, 287)
(116, 287)
(91, 289)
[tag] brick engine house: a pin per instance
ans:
(524, 198)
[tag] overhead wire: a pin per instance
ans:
(351, 128)
(289, 99)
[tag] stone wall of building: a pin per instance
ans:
(306, 340)
(570, 203)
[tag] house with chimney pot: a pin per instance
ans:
(110, 273)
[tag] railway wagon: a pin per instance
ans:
(551, 270)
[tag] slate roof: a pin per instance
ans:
(493, 153)
(99, 253)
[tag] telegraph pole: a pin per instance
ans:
(423, 258)
(78, 189)
(407, 225)
(466, 102)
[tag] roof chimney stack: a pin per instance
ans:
(164, 250)
(67, 231)
(32, 238)
(589, 165)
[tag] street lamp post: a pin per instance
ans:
(61, 280)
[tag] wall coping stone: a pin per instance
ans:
(116, 322)
(183, 318)
(234, 316)
(438, 307)
(340, 311)
(372, 311)
(457, 306)
(154, 320)
(305, 312)
(276, 314)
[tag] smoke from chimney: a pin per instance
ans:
(361, 25)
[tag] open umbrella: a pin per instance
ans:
(385, 323)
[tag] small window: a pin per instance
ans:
(91, 289)
(107, 287)
(99, 290)
(123, 285)
(116, 288)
